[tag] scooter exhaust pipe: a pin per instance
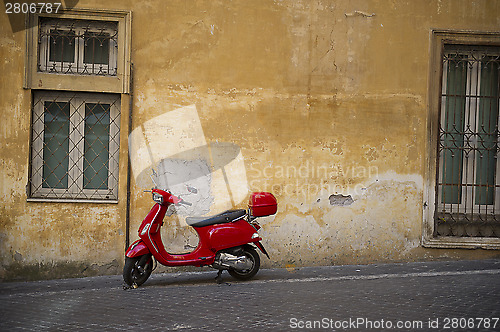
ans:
(229, 261)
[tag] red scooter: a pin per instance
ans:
(226, 240)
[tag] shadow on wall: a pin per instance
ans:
(174, 145)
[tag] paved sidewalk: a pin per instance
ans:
(430, 296)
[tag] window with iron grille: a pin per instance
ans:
(75, 145)
(468, 171)
(81, 47)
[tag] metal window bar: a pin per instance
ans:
(78, 47)
(468, 176)
(75, 146)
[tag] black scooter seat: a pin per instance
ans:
(221, 218)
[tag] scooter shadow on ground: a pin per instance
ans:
(199, 278)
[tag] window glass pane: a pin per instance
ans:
(55, 145)
(96, 48)
(487, 132)
(62, 46)
(453, 129)
(96, 150)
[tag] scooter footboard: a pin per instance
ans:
(136, 249)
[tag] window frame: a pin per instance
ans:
(120, 83)
(75, 190)
(438, 39)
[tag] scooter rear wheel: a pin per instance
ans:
(132, 274)
(251, 254)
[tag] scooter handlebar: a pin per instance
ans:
(185, 203)
(171, 199)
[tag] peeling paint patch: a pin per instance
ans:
(340, 200)
(359, 13)
(18, 257)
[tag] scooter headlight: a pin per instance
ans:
(158, 198)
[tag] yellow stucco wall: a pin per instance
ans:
(323, 98)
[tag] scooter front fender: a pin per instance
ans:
(261, 247)
(136, 249)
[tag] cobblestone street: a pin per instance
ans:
(461, 295)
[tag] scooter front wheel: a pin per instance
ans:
(247, 274)
(133, 274)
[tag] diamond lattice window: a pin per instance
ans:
(468, 192)
(75, 145)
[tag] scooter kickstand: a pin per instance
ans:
(219, 277)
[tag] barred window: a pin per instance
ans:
(78, 47)
(75, 145)
(468, 191)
